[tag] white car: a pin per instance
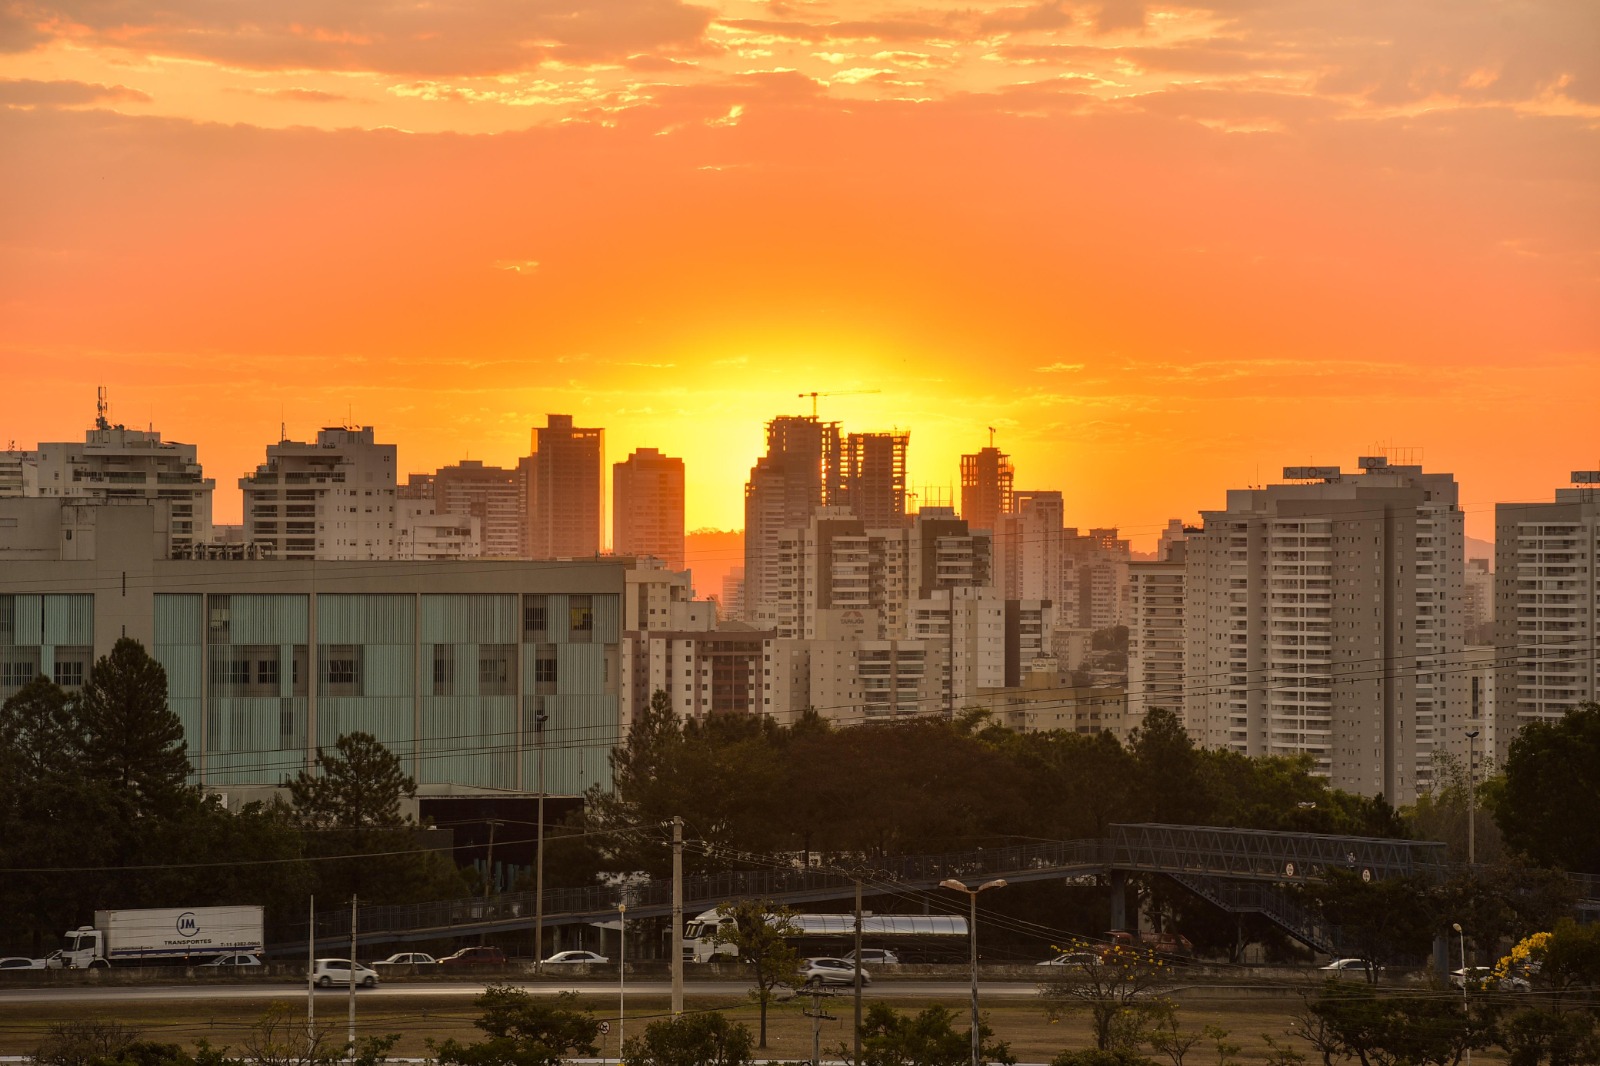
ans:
(817, 972)
(1073, 958)
(875, 956)
(1482, 979)
(564, 958)
(326, 973)
(230, 962)
(1351, 969)
(17, 962)
(409, 958)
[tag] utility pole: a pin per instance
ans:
(352, 1051)
(676, 940)
(538, 848)
(818, 1016)
(311, 974)
(488, 863)
(857, 1058)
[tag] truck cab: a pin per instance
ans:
(81, 949)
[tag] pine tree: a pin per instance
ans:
(132, 740)
(359, 787)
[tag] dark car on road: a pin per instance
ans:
(478, 958)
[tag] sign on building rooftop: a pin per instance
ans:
(1310, 473)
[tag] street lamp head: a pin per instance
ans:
(998, 882)
(1473, 735)
(954, 885)
(1456, 926)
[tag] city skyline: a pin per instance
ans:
(227, 505)
(1161, 249)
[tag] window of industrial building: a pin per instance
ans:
(341, 669)
(545, 674)
(69, 674)
(580, 619)
(15, 674)
(535, 621)
(496, 673)
(444, 670)
(219, 620)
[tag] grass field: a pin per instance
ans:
(1032, 1036)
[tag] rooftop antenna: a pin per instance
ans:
(102, 407)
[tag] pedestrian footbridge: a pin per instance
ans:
(1239, 870)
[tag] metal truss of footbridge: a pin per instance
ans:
(1240, 870)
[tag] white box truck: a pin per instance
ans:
(163, 934)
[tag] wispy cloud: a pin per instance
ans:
(26, 92)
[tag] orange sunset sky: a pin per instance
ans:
(1165, 249)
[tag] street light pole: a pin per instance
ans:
(972, 936)
(1462, 940)
(622, 975)
(1472, 803)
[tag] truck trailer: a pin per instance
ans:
(159, 935)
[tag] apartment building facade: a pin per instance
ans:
(647, 507)
(332, 498)
(798, 474)
(1156, 635)
(115, 463)
(1325, 617)
(489, 494)
(1547, 606)
(562, 490)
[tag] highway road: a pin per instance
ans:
(267, 990)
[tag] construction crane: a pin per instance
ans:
(847, 392)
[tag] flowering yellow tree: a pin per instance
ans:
(1119, 986)
(1526, 957)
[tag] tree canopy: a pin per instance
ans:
(1548, 805)
(131, 739)
(359, 786)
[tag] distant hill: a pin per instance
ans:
(1480, 549)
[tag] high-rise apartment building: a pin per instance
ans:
(1547, 606)
(873, 479)
(1028, 546)
(647, 507)
(488, 493)
(968, 625)
(835, 562)
(1478, 604)
(1155, 634)
(115, 463)
(1325, 617)
(331, 499)
(422, 532)
(799, 473)
(1094, 578)
(986, 487)
(563, 479)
